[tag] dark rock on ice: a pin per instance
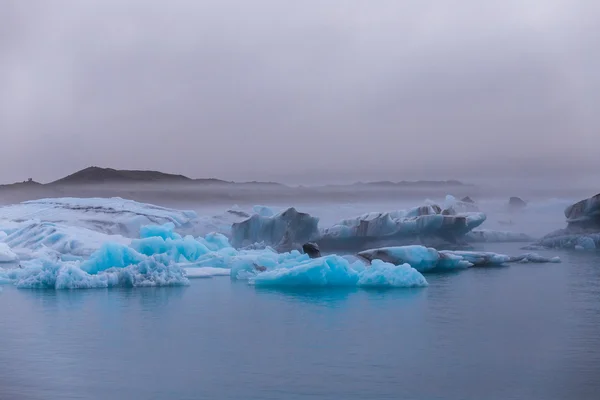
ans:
(312, 249)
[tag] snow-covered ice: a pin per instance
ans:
(115, 216)
(40, 238)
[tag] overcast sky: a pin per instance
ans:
(300, 90)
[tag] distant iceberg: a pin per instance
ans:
(583, 227)
(428, 225)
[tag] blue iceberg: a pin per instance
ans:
(338, 272)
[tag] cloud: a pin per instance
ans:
(271, 89)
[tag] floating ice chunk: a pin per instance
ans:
(564, 240)
(324, 271)
(534, 258)
(480, 258)
(419, 257)
(6, 254)
(423, 259)
(263, 211)
(206, 272)
(426, 259)
(337, 271)
(44, 274)
(402, 226)
(285, 228)
(583, 227)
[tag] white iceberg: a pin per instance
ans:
(115, 216)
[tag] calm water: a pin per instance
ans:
(520, 332)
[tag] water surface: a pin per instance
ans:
(518, 332)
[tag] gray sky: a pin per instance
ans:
(300, 90)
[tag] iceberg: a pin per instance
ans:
(38, 239)
(114, 216)
(425, 259)
(583, 227)
(335, 271)
(45, 274)
(285, 230)
(425, 225)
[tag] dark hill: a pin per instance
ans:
(109, 175)
(28, 183)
